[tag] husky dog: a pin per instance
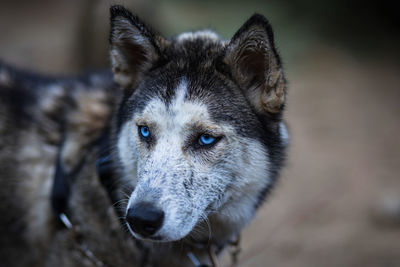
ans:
(195, 141)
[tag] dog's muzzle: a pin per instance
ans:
(144, 219)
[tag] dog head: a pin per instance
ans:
(198, 131)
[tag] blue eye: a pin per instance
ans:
(206, 139)
(144, 131)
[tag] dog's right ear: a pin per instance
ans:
(133, 47)
(256, 65)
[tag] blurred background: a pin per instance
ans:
(338, 202)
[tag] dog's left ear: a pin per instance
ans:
(134, 47)
(256, 66)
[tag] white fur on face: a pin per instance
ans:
(188, 184)
(284, 133)
(127, 151)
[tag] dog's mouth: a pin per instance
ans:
(153, 238)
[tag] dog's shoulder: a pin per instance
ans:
(43, 118)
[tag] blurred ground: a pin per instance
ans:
(338, 202)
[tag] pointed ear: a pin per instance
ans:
(134, 48)
(256, 66)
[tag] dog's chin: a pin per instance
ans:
(156, 238)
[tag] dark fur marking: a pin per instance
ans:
(186, 186)
(191, 178)
(19, 102)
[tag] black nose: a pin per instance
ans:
(144, 219)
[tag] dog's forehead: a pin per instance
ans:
(194, 95)
(177, 112)
(195, 48)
